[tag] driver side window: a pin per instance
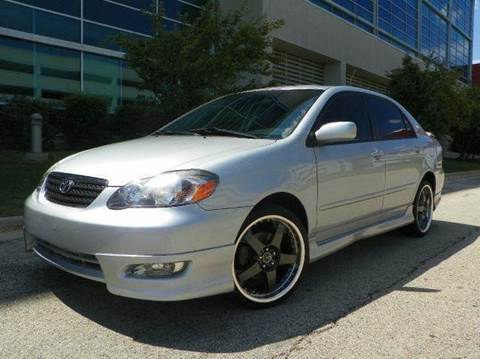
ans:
(348, 106)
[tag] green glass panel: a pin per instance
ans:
(16, 67)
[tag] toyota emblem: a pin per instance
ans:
(66, 185)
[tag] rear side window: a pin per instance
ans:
(348, 106)
(388, 120)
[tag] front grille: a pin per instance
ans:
(73, 190)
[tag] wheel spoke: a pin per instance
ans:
(271, 279)
(255, 243)
(287, 259)
(278, 235)
(250, 272)
(420, 209)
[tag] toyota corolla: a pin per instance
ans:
(240, 194)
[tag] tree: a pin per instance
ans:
(467, 136)
(212, 55)
(434, 95)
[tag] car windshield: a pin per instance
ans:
(271, 114)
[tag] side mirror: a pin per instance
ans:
(336, 132)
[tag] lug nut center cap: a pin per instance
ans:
(267, 257)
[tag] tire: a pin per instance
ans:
(271, 253)
(423, 205)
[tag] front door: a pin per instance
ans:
(350, 175)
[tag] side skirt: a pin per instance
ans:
(320, 249)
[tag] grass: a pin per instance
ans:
(450, 165)
(19, 177)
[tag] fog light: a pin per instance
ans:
(155, 270)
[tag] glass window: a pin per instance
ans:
(16, 67)
(266, 114)
(178, 10)
(102, 77)
(399, 18)
(70, 7)
(57, 72)
(461, 14)
(348, 107)
(441, 5)
(39, 22)
(459, 53)
(16, 17)
(118, 16)
(58, 26)
(361, 8)
(102, 36)
(434, 35)
(387, 119)
(139, 4)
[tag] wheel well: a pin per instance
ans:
(430, 177)
(287, 201)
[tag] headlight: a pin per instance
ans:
(169, 189)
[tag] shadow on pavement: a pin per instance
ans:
(331, 289)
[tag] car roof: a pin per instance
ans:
(316, 87)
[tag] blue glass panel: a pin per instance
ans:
(399, 18)
(118, 16)
(139, 4)
(39, 22)
(459, 54)
(16, 17)
(434, 35)
(177, 10)
(71, 7)
(61, 27)
(102, 36)
(461, 14)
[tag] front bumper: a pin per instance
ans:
(99, 244)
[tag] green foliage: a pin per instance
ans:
(15, 123)
(467, 136)
(210, 57)
(85, 122)
(434, 96)
(137, 119)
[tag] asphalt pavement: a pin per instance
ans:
(387, 296)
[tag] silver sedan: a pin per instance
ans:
(240, 194)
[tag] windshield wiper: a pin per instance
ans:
(221, 132)
(173, 133)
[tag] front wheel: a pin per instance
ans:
(270, 255)
(422, 210)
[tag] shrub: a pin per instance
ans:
(85, 122)
(15, 123)
(137, 119)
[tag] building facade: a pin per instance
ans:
(50, 48)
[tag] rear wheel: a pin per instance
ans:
(270, 255)
(422, 210)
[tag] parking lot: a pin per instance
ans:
(387, 296)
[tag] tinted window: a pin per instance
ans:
(265, 114)
(348, 107)
(387, 118)
(71, 7)
(119, 16)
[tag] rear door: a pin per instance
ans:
(351, 179)
(397, 144)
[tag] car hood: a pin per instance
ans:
(123, 162)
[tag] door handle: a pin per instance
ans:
(377, 154)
